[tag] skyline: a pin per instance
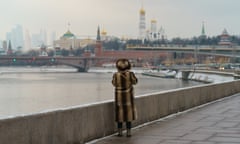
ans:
(121, 18)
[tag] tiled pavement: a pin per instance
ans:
(216, 123)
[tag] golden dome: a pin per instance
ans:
(142, 11)
(153, 21)
(103, 32)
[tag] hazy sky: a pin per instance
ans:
(121, 17)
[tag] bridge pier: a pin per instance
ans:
(185, 75)
(84, 66)
(80, 69)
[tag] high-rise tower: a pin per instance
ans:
(16, 37)
(142, 24)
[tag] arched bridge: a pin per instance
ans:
(83, 63)
(80, 63)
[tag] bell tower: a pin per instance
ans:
(142, 24)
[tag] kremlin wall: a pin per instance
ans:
(140, 56)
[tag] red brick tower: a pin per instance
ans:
(98, 48)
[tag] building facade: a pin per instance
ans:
(70, 41)
(154, 34)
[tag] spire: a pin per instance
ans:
(9, 51)
(69, 26)
(98, 34)
(203, 29)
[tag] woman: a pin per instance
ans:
(123, 81)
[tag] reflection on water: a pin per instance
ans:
(25, 93)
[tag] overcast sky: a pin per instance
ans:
(181, 18)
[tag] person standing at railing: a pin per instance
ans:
(123, 81)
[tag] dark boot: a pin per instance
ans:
(120, 132)
(129, 133)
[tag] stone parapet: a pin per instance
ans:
(85, 123)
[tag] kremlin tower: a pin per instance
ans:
(98, 49)
(225, 39)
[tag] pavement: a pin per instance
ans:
(214, 123)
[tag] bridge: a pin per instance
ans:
(207, 50)
(84, 62)
(80, 63)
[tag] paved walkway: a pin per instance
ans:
(217, 123)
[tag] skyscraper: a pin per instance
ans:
(43, 36)
(53, 38)
(16, 37)
(27, 45)
(4, 45)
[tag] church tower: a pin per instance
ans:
(142, 24)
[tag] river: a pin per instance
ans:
(32, 90)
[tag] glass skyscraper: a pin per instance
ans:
(16, 37)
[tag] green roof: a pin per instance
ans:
(68, 34)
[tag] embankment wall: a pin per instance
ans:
(78, 125)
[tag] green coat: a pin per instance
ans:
(125, 110)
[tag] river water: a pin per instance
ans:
(31, 90)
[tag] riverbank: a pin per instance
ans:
(211, 76)
(161, 74)
(199, 76)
